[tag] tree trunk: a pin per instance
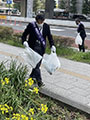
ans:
(23, 8)
(49, 7)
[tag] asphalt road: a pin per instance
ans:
(56, 30)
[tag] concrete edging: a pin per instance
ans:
(66, 100)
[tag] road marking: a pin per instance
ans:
(88, 33)
(61, 69)
(71, 28)
(74, 74)
(59, 30)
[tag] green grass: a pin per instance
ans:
(72, 54)
(65, 52)
(81, 57)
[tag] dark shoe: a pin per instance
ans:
(41, 84)
(35, 81)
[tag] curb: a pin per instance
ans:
(66, 100)
(53, 22)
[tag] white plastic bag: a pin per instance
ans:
(31, 57)
(78, 40)
(51, 62)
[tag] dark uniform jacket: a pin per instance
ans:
(81, 30)
(33, 37)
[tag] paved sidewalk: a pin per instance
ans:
(70, 84)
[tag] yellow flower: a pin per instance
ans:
(6, 106)
(6, 111)
(32, 118)
(2, 112)
(44, 108)
(7, 80)
(35, 89)
(19, 117)
(31, 111)
(7, 118)
(29, 79)
(26, 81)
(25, 84)
(39, 109)
(16, 116)
(11, 108)
(3, 82)
(30, 83)
(24, 117)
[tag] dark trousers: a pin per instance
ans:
(36, 72)
(82, 47)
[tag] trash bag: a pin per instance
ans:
(51, 62)
(31, 57)
(78, 40)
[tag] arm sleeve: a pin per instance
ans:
(25, 33)
(80, 28)
(50, 38)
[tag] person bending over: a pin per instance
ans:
(37, 32)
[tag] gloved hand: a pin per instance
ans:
(53, 49)
(26, 44)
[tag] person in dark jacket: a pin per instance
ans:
(37, 32)
(81, 30)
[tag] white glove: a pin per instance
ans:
(26, 44)
(53, 49)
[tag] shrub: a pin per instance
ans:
(63, 41)
(8, 36)
(6, 33)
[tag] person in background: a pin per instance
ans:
(37, 32)
(81, 30)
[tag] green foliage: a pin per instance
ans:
(5, 32)
(73, 6)
(86, 7)
(38, 4)
(17, 6)
(83, 57)
(63, 41)
(62, 4)
(8, 36)
(65, 52)
(14, 93)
